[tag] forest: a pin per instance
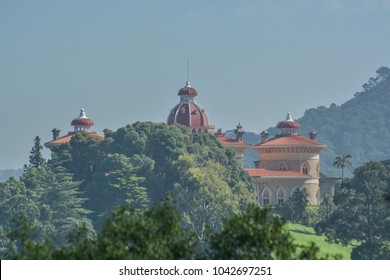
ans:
(154, 191)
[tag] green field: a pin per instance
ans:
(305, 235)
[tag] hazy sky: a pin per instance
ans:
(124, 61)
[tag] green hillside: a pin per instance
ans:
(360, 127)
(304, 235)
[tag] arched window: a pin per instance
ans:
(282, 166)
(280, 197)
(266, 198)
(306, 168)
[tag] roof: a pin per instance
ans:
(187, 90)
(82, 120)
(231, 142)
(290, 140)
(189, 114)
(289, 123)
(261, 172)
(68, 137)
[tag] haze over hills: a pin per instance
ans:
(359, 127)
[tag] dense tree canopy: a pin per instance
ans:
(361, 216)
(157, 233)
(136, 166)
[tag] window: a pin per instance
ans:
(266, 198)
(282, 166)
(280, 197)
(306, 168)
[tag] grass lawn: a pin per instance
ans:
(305, 235)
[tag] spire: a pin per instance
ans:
(289, 117)
(188, 71)
(82, 114)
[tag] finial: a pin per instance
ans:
(188, 84)
(82, 114)
(289, 117)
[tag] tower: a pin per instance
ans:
(287, 162)
(188, 113)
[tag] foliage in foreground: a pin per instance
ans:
(361, 216)
(158, 233)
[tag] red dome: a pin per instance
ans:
(289, 123)
(82, 121)
(187, 90)
(190, 115)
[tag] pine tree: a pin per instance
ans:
(36, 158)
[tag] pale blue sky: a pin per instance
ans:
(124, 61)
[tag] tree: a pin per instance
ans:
(60, 205)
(342, 161)
(36, 158)
(386, 196)
(85, 155)
(155, 233)
(361, 216)
(15, 199)
(256, 235)
(294, 208)
(116, 185)
(204, 196)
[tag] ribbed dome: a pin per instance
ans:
(187, 90)
(288, 123)
(189, 113)
(82, 120)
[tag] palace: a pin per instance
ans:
(288, 161)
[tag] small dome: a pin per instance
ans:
(187, 90)
(82, 120)
(288, 123)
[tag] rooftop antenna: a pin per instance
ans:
(188, 67)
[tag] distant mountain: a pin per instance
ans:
(359, 127)
(6, 174)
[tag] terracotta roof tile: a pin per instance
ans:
(68, 137)
(294, 140)
(231, 142)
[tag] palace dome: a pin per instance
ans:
(187, 90)
(189, 113)
(82, 120)
(289, 123)
(289, 126)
